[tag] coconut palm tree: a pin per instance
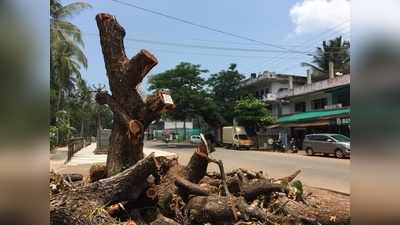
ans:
(66, 55)
(336, 50)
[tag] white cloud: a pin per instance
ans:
(311, 16)
(377, 16)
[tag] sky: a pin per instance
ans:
(279, 30)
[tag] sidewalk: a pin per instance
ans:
(85, 158)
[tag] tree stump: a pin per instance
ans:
(132, 114)
(86, 204)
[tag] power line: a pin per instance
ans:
(156, 42)
(208, 47)
(279, 62)
(233, 42)
(204, 26)
(311, 41)
(206, 54)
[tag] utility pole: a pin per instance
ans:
(331, 70)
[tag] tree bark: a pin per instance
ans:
(86, 205)
(131, 114)
(197, 166)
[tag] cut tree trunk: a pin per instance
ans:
(197, 166)
(86, 204)
(131, 113)
(216, 209)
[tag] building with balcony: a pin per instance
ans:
(321, 95)
(303, 105)
(315, 107)
(267, 86)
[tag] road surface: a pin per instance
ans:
(317, 171)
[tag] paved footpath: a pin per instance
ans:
(83, 159)
(87, 156)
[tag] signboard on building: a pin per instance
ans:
(177, 124)
(341, 121)
(333, 106)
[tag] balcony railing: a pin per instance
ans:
(316, 86)
(269, 97)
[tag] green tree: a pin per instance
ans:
(251, 112)
(66, 55)
(225, 89)
(81, 107)
(336, 50)
(186, 88)
(63, 127)
(85, 114)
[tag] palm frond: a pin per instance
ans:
(71, 9)
(66, 30)
(304, 64)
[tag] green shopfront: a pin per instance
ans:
(325, 121)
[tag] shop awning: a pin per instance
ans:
(273, 126)
(313, 115)
(307, 124)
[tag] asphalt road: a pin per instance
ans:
(317, 171)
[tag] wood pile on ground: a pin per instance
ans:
(157, 190)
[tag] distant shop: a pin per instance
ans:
(300, 124)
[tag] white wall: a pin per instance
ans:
(275, 86)
(177, 124)
(308, 99)
(287, 109)
(290, 109)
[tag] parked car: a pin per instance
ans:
(336, 144)
(195, 139)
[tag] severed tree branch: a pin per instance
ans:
(288, 179)
(104, 98)
(139, 66)
(192, 188)
(155, 105)
(222, 172)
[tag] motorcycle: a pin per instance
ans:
(292, 146)
(278, 146)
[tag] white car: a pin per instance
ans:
(195, 139)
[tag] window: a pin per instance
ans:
(319, 103)
(327, 139)
(300, 107)
(243, 137)
(282, 89)
(341, 96)
(341, 138)
(317, 138)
